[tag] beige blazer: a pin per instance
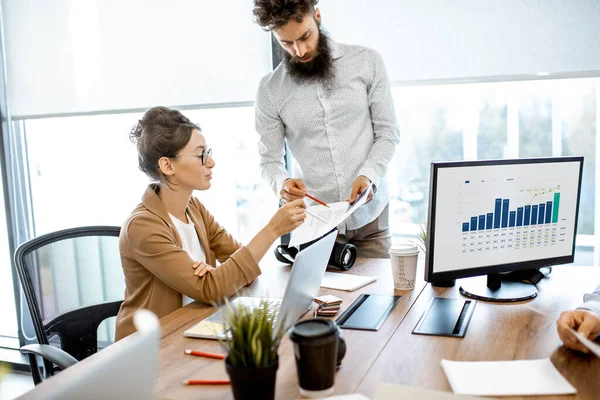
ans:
(158, 270)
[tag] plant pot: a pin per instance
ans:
(252, 383)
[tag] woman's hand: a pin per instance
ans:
(585, 322)
(288, 217)
(202, 268)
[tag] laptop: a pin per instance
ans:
(125, 370)
(302, 287)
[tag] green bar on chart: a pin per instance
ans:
(555, 207)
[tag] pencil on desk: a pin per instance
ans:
(205, 382)
(317, 200)
(204, 354)
(316, 216)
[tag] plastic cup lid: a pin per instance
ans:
(404, 249)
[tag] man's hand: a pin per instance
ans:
(292, 189)
(360, 185)
(585, 322)
(202, 268)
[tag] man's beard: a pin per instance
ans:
(319, 69)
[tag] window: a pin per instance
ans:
(84, 171)
(493, 120)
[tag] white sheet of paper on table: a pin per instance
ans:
(336, 213)
(506, 378)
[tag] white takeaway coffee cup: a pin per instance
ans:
(404, 265)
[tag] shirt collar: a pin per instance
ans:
(336, 50)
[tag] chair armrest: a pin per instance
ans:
(55, 355)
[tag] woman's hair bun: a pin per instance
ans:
(136, 132)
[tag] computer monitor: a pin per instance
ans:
(494, 216)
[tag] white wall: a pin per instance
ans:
(68, 56)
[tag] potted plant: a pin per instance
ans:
(422, 237)
(251, 348)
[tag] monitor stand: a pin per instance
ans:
(492, 289)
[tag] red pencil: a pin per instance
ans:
(205, 382)
(317, 200)
(203, 354)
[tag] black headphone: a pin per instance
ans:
(342, 256)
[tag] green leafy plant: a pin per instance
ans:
(422, 237)
(253, 335)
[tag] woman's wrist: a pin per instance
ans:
(270, 233)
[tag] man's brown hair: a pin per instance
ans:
(272, 14)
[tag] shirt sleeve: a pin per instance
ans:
(591, 301)
(385, 127)
(271, 142)
(154, 248)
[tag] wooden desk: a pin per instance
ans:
(497, 332)
(520, 331)
(363, 346)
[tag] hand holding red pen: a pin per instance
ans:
(292, 189)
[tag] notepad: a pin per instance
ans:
(345, 281)
(506, 378)
(388, 391)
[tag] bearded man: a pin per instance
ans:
(332, 104)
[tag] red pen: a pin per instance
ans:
(203, 354)
(205, 382)
(317, 200)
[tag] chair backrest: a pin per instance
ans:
(72, 280)
(125, 370)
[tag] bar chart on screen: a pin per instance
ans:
(526, 225)
(527, 218)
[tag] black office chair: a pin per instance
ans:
(72, 281)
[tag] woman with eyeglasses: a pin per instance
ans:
(170, 243)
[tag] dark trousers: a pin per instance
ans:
(372, 240)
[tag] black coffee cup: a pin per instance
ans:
(316, 344)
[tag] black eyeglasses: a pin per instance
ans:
(202, 156)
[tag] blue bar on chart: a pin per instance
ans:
(519, 216)
(489, 221)
(534, 215)
(511, 218)
(527, 216)
(548, 212)
(497, 213)
(473, 223)
(505, 212)
(503, 217)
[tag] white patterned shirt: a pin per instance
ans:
(335, 132)
(592, 301)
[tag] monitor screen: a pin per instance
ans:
(501, 215)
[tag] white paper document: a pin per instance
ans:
(388, 391)
(335, 214)
(345, 281)
(506, 378)
(593, 346)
